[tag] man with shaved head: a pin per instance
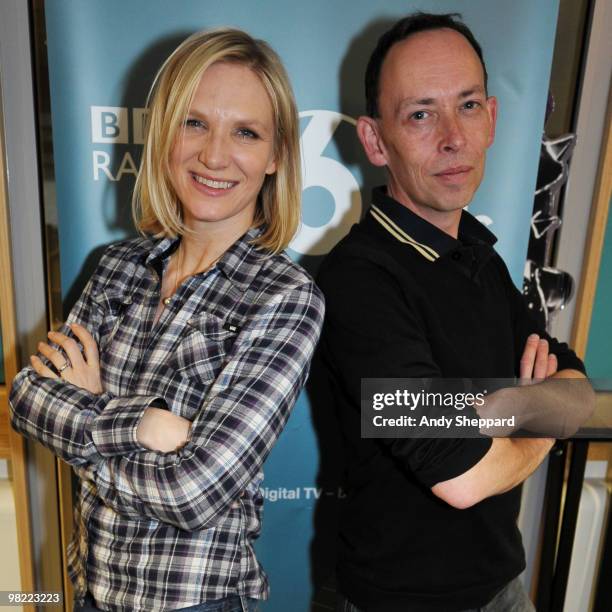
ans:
(416, 290)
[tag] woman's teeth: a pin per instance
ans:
(213, 184)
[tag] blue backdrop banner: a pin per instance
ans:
(102, 58)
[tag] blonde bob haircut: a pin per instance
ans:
(155, 206)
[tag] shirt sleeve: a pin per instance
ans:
(372, 330)
(68, 420)
(240, 419)
(525, 323)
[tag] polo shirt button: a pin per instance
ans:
(456, 256)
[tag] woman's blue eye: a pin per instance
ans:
(193, 123)
(246, 133)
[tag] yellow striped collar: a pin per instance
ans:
(428, 240)
(396, 231)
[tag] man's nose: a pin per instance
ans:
(452, 134)
(214, 151)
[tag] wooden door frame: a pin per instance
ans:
(9, 341)
(585, 297)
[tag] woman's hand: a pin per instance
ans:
(73, 367)
(162, 431)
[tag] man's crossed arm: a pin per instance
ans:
(509, 461)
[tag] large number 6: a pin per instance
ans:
(325, 172)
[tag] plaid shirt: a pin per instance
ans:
(231, 351)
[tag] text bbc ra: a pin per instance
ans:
(116, 126)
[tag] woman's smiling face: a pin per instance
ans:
(224, 150)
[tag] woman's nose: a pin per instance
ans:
(214, 151)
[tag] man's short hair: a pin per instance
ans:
(409, 25)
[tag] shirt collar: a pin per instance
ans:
(239, 264)
(428, 240)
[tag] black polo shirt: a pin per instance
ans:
(404, 299)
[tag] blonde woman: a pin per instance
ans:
(178, 366)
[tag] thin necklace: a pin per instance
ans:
(168, 298)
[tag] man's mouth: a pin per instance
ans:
(455, 170)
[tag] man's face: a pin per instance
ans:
(435, 123)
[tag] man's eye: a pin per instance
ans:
(247, 134)
(419, 115)
(471, 104)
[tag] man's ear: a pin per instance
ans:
(492, 110)
(369, 135)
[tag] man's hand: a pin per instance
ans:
(162, 431)
(536, 362)
(79, 369)
(552, 408)
(536, 365)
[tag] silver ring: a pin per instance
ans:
(64, 366)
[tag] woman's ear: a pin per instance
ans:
(271, 167)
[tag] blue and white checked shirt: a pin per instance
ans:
(162, 531)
